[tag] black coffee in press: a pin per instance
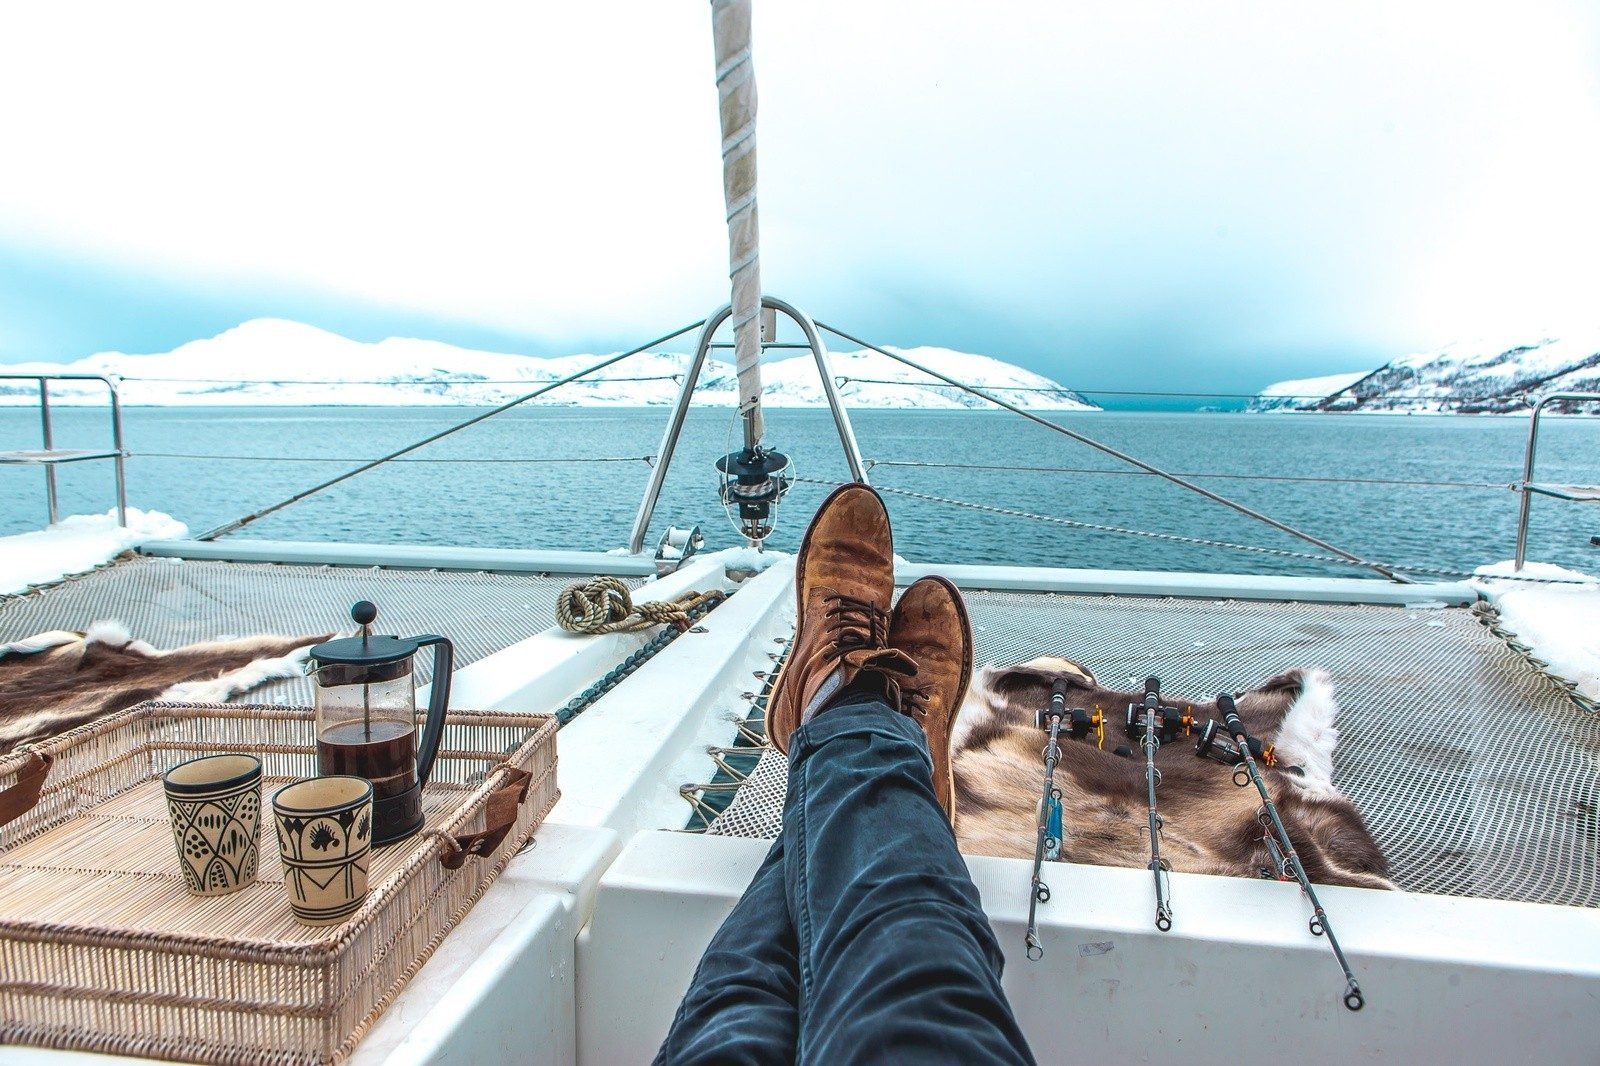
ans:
(384, 752)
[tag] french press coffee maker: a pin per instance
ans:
(367, 718)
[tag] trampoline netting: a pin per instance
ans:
(1476, 772)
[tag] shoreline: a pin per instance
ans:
(31, 404)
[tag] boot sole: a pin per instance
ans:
(961, 690)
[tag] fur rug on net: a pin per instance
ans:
(1210, 824)
(56, 681)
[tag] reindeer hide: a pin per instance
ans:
(1210, 823)
(60, 680)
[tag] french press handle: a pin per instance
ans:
(444, 656)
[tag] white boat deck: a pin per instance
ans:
(581, 950)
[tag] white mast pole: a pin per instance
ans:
(736, 96)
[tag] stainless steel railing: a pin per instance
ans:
(1529, 488)
(691, 378)
(50, 457)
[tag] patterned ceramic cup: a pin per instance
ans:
(325, 839)
(215, 806)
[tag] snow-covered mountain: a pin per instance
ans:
(1300, 392)
(1476, 377)
(271, 361)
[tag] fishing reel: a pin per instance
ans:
(1215, 744)
(1168, 722)
(1078, 721)
(755, 479)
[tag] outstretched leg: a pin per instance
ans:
(741, 1006)
(897, 961)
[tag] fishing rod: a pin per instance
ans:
(1284, 853)
(1048, 845)
(1151, 723)
(1215, 744)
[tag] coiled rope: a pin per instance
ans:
(605, 605)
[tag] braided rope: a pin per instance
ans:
(605, 605)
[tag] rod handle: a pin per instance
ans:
(1058, 705)
(1230, 717)
(1152, 691)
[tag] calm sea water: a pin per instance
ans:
(515, 504)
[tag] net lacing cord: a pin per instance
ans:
(749, 742)
(1179, 538)
(1489, 615)
(605, 605)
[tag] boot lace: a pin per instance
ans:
(854, 625)
(858, 631)
(913, 699)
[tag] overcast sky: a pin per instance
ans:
(1176, 195)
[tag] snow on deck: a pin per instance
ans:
(1561, 623)
(76, 544)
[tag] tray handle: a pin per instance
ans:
(20, 798)
(499, 815)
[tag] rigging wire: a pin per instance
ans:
(1205, 542)
(1410, 482)
(1206, 395)
(841, 379)
(872, 463)
(1100, 527)
(414, 382)
(239, 523)
(1122, 456)
(1055, 390)
(347, 459)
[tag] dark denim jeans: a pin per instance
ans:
(861, 938)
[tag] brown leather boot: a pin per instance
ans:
(843, 584)
(930, 625)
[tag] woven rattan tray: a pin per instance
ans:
(103, 949)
